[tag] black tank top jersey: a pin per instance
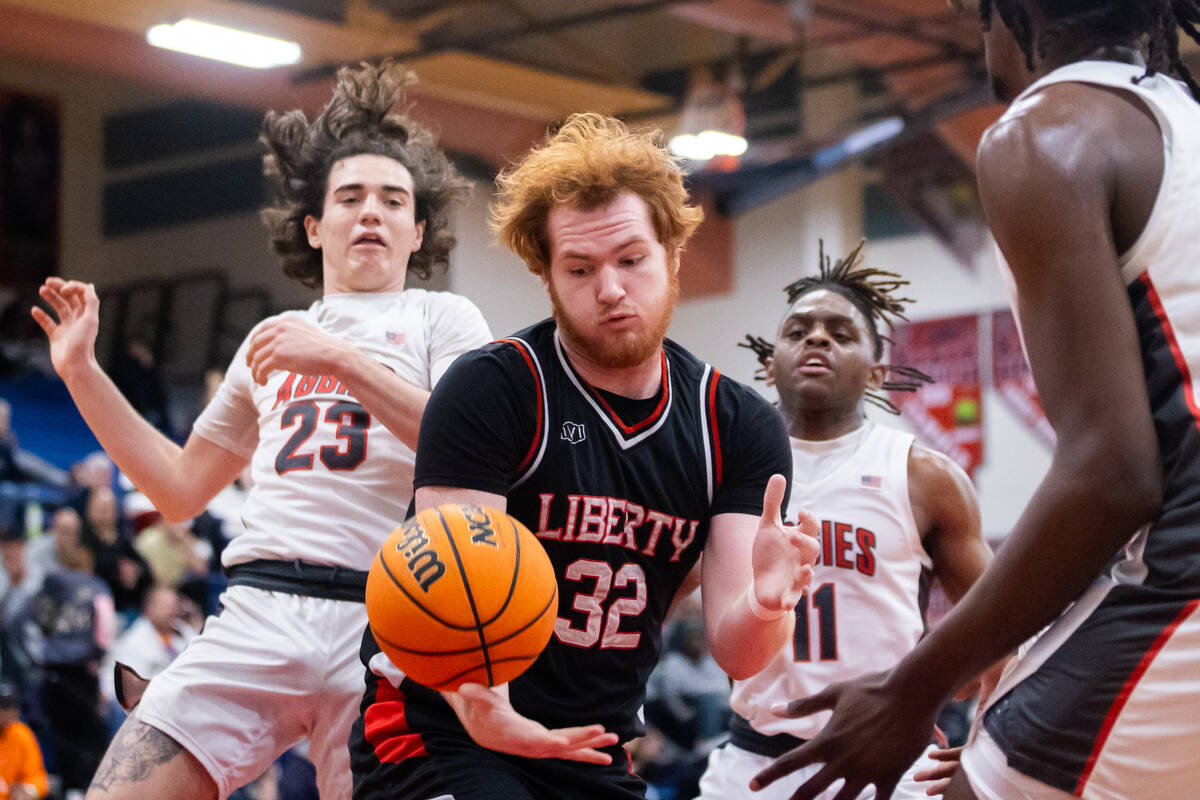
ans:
(620, 492)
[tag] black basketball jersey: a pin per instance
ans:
(620, 492)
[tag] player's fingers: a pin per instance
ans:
(946, 754)
(808, 524)
(804, 577)
(587, 756)
(789, 762)
(773, 500)
(90, 298)
(938, 788)
(53, 296)
(587, 736)
(260, 368)
(817, 784)
(823, 700)
(43, 320)
(936, 771)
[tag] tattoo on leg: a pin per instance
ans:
(135, 751)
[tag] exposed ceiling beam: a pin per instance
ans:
(434, 44)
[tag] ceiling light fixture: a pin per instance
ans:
(712, 125)
(224, 44)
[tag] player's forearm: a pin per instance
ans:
(395, 402)
(1072, 528)
(743, 644)
(147, 457)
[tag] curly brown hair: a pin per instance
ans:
(367, 115)
(586, 164)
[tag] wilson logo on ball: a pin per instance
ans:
(480, 527)
(422, 561)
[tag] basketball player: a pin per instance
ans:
(626, 455)
(893, 514)
(324, 404)
(1090, 182)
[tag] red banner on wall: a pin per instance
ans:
(948, 414)
(1012, 378)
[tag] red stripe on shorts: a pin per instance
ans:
(1127, 690)
(386, 728)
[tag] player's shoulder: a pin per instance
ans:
(536, 341)
(522, 352)
(436, 300)
(1059, 130)
(931, 472)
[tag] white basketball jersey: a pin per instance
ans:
(865, 607)
(1161, 269)
(330, 481)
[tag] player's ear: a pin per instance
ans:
(877, 377)
(310, 228)
(769, 370)
(420, 236)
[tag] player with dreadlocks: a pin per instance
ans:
(363, 199)
(1090, 182)
(893, 514)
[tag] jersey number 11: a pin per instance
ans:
(823, 604)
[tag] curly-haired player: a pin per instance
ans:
(1090, 182)
(324, 405)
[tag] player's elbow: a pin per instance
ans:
(1124, 477)
(178, 508)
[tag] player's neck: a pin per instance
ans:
(1069, 54)
(822, 425)
(638, 382)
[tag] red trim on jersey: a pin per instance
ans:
(537, 436)
(1169, 334)
(385, 727)
(1114, 712)
(712, 423)
(665, 391)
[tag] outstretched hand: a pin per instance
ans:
(877, 731)
(493, 723)
(73, 335)
(783, 555)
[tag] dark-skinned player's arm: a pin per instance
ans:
(1048, 181)
(179, 481)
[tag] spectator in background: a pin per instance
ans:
(74, 611)
(117, 560)
(44, 554)
(18, 585)
(150, 643)
(687, 702)
(22, 773)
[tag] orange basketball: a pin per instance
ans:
(462, 594)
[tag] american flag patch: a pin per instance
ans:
(874, 481)
(395, 338)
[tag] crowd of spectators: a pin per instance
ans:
(93, 575)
